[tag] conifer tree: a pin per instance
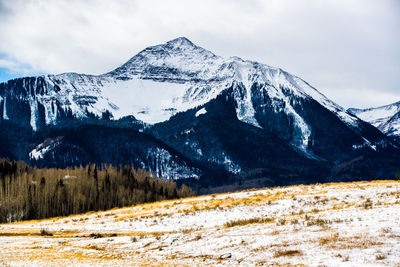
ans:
(31, 193)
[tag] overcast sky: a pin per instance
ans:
(348, 49)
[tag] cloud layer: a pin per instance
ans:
(347, 49)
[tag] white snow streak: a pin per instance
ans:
(5, 116)
(201, 112)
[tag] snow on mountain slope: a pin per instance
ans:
(392, 126)
(151, 102)
(385, 118)
(163, 80)
(43, 148)
(178, 60)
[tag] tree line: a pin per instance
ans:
(30, 193)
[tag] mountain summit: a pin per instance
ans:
(203, 113)
(178, 56)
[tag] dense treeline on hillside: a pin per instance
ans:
(30, 193)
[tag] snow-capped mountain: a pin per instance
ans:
(385, 118)
(213, 113)
(159, 82)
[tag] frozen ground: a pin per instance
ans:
(345, 224)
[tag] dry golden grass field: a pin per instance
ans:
(337, 224)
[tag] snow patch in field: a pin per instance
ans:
(352, 224)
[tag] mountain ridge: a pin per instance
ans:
(386, 118)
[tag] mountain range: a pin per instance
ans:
(385, 118)
(182, 112)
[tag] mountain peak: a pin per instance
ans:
(181, 47)
(180, 41)
(177, 59)
(386, 118)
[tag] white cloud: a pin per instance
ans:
(351, 97)
(332, 44)
(14, 67)
(8, 64)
